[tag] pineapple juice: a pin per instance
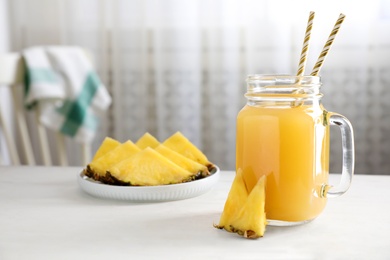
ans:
(289, 146)
(283, 134)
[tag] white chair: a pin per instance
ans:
(12, 75)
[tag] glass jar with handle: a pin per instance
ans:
(283, 133)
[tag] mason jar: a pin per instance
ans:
(283, 133)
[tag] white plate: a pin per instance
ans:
(149, 193)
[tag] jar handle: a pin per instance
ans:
(347, 141)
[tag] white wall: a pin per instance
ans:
(4, 26)
(4, 94)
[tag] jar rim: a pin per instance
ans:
(305, 79)
(282, 87)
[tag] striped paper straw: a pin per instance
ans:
(305, 47)
(328, 44)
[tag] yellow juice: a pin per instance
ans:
(290, 145)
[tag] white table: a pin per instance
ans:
(45, 215)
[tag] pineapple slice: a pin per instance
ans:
(147, 140)
(251, 221)
(245, 214)
(198, 169)
(149, 167)
(179, 143)
(99, 167)
(237, 197)
(107, 145)
(180, 156)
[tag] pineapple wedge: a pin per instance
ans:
(147, 140)
(245, 214)
(237, 197)
(179, 143)
(198, 169)
(183, 160)
(149, 168)
(251, 221)
(99, 167)
(107, 145)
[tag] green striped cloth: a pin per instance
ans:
(69, 93)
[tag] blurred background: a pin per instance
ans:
(181, 65)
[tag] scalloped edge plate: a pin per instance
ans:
(169, 192)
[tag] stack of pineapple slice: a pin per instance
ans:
(148, 162)
(244, 212)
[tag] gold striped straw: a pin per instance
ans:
(305, 47)
(328, 44)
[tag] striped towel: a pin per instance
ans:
(62, 82)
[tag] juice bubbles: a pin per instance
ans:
(283, 133)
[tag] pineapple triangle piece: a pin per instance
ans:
(199, 170)
(100, 166)
(107, 145)
(149, 168)
(179, 143)
(147, 140)
(237, 197)
(250, 221)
